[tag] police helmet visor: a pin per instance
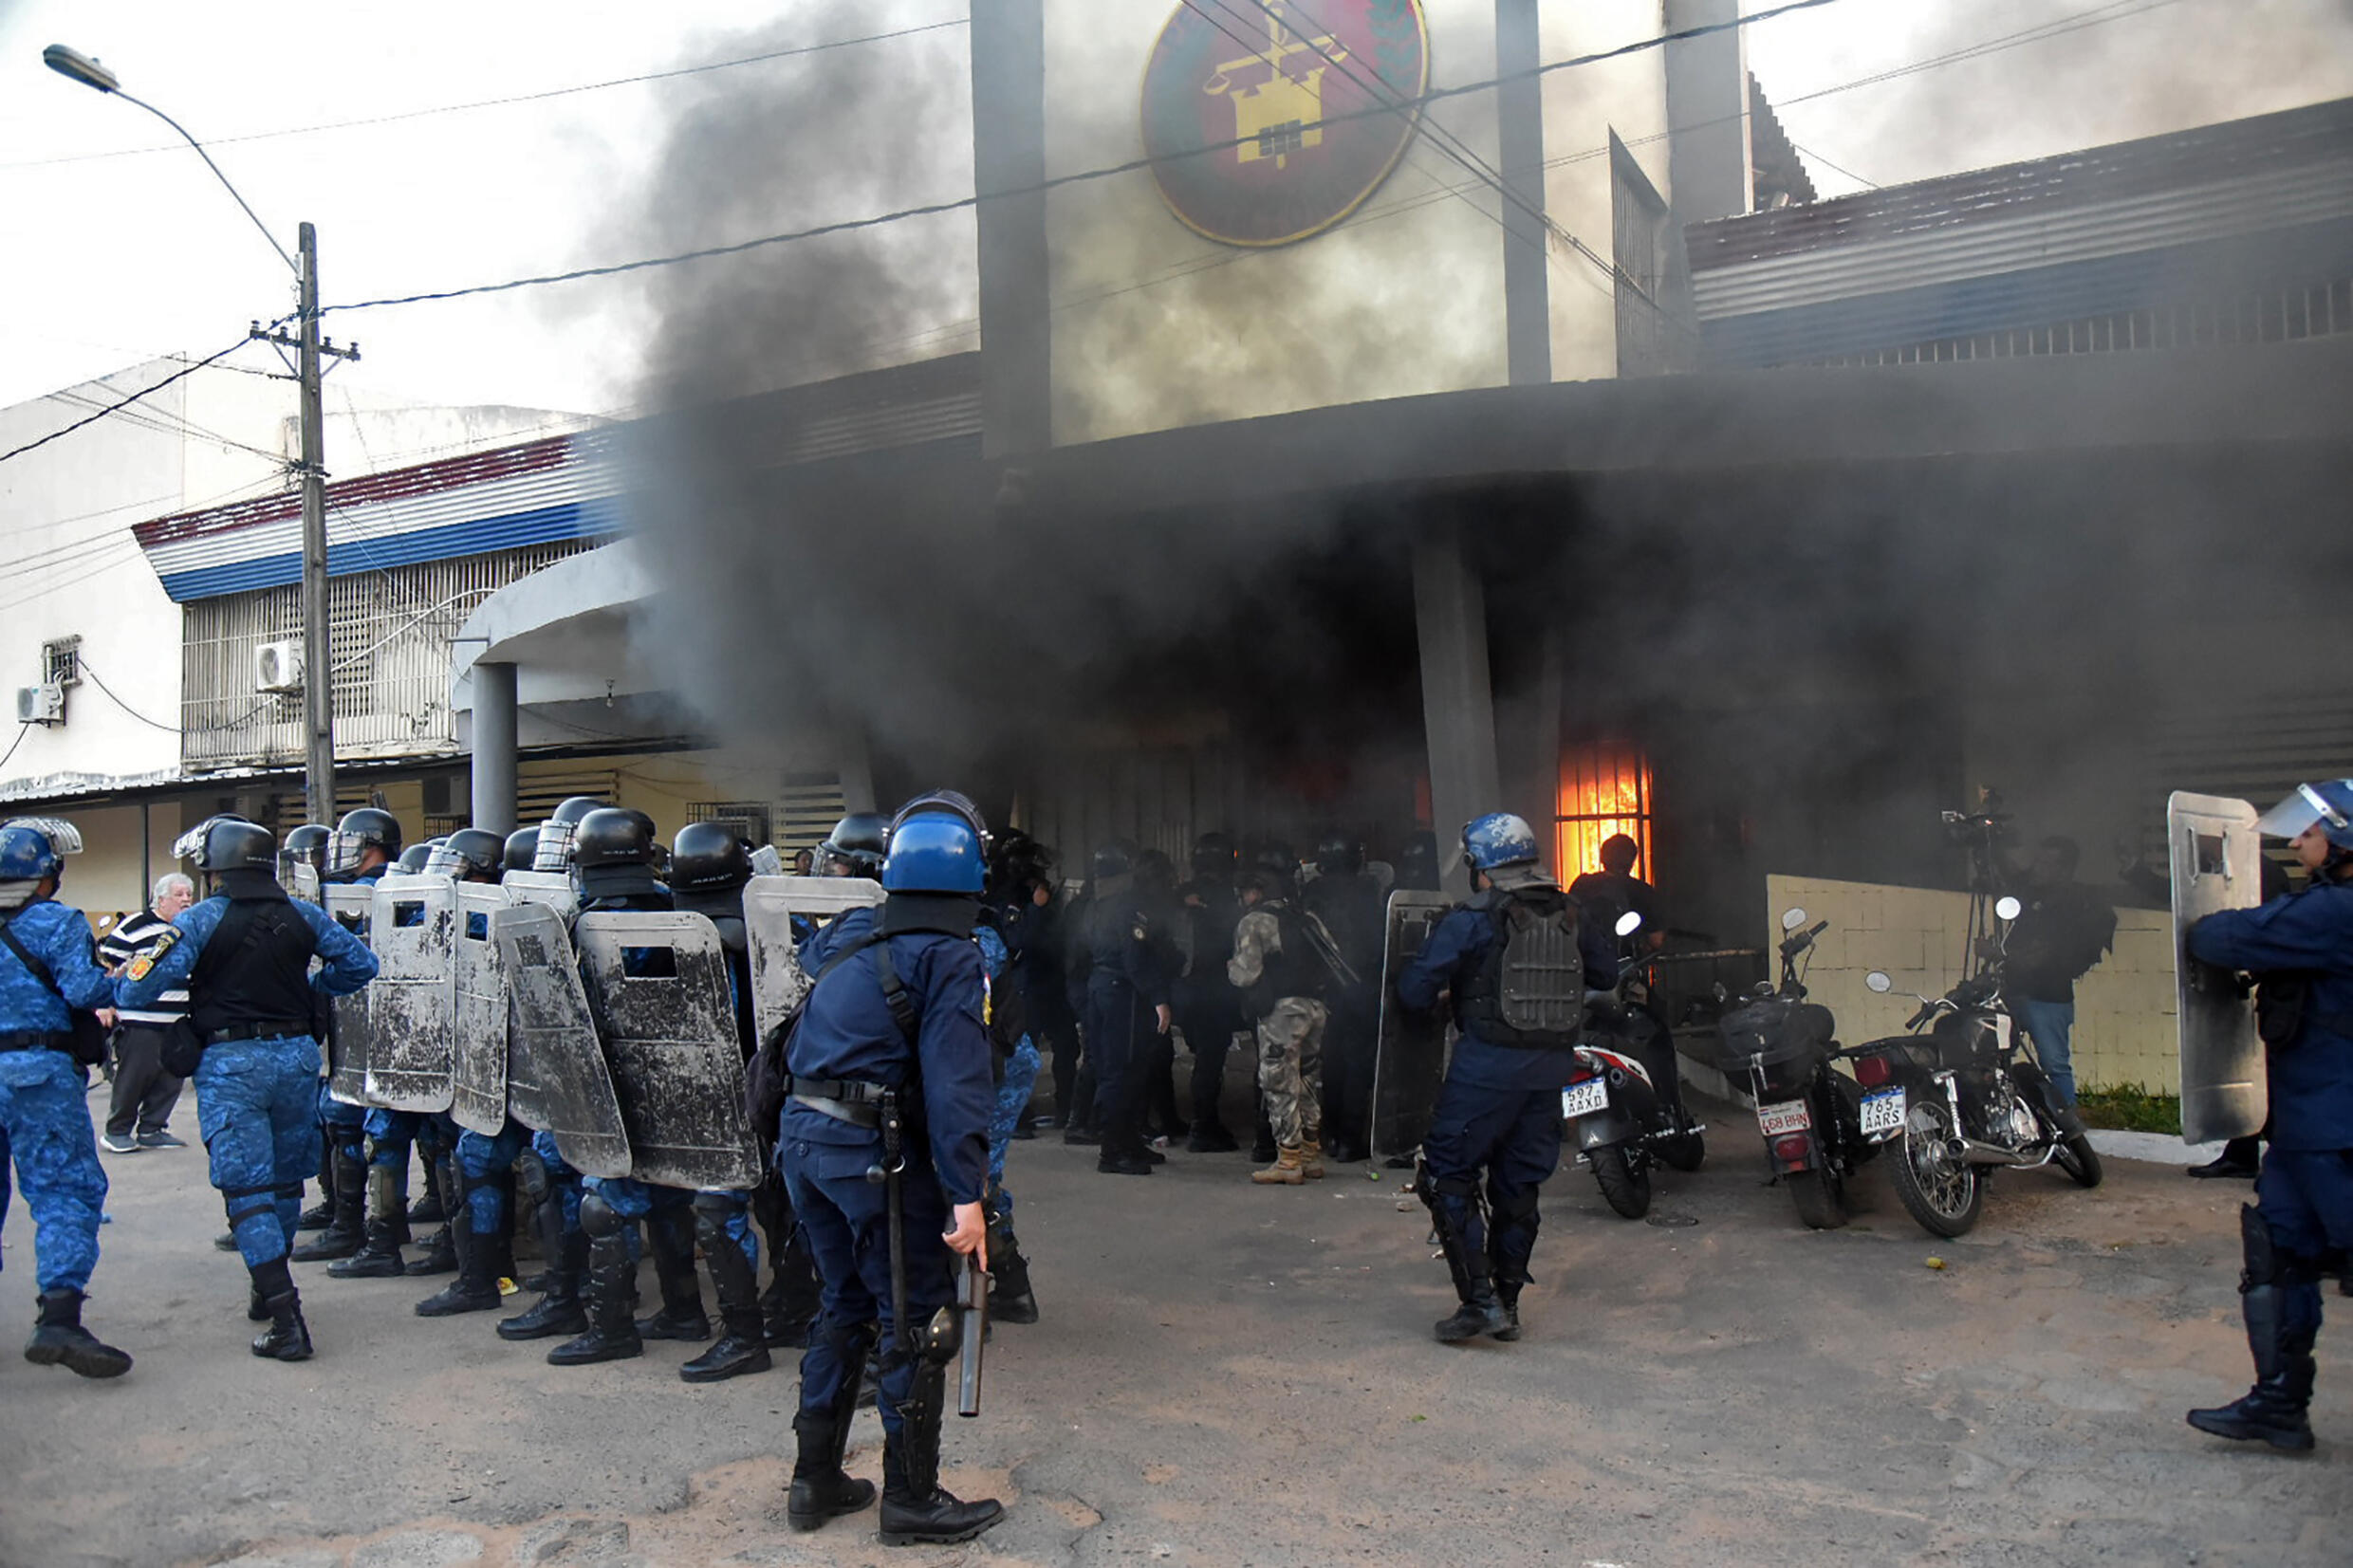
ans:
(189, 845)
(767, 861)
(2307, 807)
(445, 861)
(62, 836)
(344, 851)
(556, 843)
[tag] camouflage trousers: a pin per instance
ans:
(1290, 1069)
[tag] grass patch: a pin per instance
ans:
(2131, 1108)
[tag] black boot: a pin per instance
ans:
(559, 1311)
(612, 1281)
(387, 1231)
(288, 1339)
(321, 1215)
(821, 1488)
(475, 1289)
(59, 1339)
(1481, 1311)
(2275, 1410)
(917, 1509)
(744, 1347)
(446, 1194)
(670, 1234)
(1010, 1299)
(788, 1306)
(1510, 1301)
(347, 1229)
(433, 1207)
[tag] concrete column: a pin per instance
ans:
(1008, 154)
(1708, 159)
(495, 752)
(1458, 706)
(856, 770)
(1529, 740)
(1527, 307)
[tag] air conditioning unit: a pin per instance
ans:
(278, 667)
(41, 704)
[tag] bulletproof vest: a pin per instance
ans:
(255, 970)
(1530, 990)
(1297, 970)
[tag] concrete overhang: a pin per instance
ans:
(567, 629)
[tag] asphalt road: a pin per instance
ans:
(1233, 1376)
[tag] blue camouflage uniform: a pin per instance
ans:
(45, 1121)
(2305, 1195)
(1013, 1089)
(1500, 1109)
(847, 1034)
(255, 1099)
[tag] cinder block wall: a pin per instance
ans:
(2124, 1031)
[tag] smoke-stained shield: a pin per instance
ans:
(658, 986)
(478, 1075)
(301, 879)
(557, 1081)
(1267, 124)
(1409, 1066)
(550, 889)
(413, 999)
(352, 905)
(776, 912)
(2217, 860)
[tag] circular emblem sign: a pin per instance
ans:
(1269, 121)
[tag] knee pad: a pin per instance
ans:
(243, 1202)
(1518, 1206)
(599, 1219)
(532, 1174)
(712, 1212)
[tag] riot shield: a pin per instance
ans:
(658, 987)
(413, 999)
(770, 906)
(1409, 1063)
(478, 1073)
(557, 1081)
(2217, 859)
(551, 889)
(302, 881)
(351, 904)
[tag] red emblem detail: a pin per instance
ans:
(1269, 121)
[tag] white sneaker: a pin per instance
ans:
(114, 1145)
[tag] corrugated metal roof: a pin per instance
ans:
(2210, 155)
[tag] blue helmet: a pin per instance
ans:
(934, 851)
(1498, 838)
(2328, 807)
(27, 854)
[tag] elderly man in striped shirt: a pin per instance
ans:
(140, 1112)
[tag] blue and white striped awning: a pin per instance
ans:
(561, 487)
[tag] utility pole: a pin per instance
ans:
(318, 669)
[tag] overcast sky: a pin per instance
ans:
(113, 254)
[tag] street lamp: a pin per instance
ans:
(317, 680)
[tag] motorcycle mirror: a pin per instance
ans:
(1878, 981)
(1792, 918)
(1629, 922)
(2007, 909)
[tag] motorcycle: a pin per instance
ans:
(1624, 1108)
(1966, 1098)
(1810, 1113)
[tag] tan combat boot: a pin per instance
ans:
(1285, 1172)
(1311, 1159)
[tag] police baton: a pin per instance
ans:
(973, 1308)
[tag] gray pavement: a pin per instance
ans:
(1229, 1375)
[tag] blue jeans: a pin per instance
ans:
(256, 1101)
(2050, 1024)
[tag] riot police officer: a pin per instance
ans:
(2300, 951)
(709, 867)
(49, 971)
(890, 1071)
(1130, 966)
(1208, 1011)
(361, 850)
(1350, 902)
(1519, 1009)
(522, 850)
(613, 860)
(855, 847)
(244, 954)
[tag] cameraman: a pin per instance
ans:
(2063, 931)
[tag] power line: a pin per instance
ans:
(168, 728)
(1057, 182)
(24, 728)
(501, 103)
(179, 374)
(1818, 157)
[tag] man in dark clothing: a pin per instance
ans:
(1350, 903)
(138, 1114)
(1127, 965)
(1608, 894)
(2062, 932)
(1208, 1010)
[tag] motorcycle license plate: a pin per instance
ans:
(1790, 1116)
(1583, 1097)
(1882, 1113)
